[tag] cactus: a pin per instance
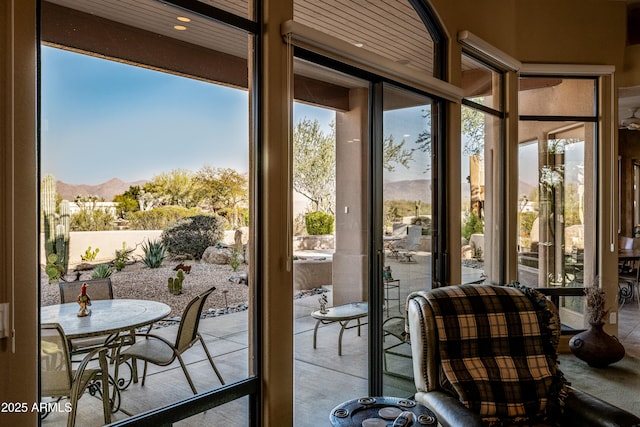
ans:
(175, 284)
(56, 228)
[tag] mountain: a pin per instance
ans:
(415, 189)
(106, 190)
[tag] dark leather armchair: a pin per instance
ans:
(486, 355)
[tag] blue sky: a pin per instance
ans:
(102, 119)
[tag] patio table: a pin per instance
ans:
(342, 314)
(108, 317)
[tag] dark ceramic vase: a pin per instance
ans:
(596, 347)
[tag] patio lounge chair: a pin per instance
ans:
(162, 351)
(414, 235)
(58, 379)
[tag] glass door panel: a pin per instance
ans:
(146, 159)
(330, 153)
(407, 217)
(555, 214)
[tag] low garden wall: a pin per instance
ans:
(310, 274)
(110, 241)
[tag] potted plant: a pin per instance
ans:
(594, 345)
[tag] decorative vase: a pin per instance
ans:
(596, 347)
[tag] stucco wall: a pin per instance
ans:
(110, 241)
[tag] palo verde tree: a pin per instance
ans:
(173, 188)
(224, 191)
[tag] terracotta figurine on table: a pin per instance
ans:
(84, 301)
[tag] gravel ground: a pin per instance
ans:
(137, 281)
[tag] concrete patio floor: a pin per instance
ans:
(322, 379)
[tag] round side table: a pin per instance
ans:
(385, 409)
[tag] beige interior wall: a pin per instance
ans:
(578, 31)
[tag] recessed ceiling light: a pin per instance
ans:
(179, 27)
(183, 19)
(358, 44)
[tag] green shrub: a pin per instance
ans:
(191, 236)
(122, 257)
(319, 223)
(471, 225)
(158, 218)
(92, 220)
(154, 253)
(235, 259)
(102, 271)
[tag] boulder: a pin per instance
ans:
(215, 255)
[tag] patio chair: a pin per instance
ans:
(58, 378)
(395, 327)
(161, 351)
(487, 354)
(414, 235)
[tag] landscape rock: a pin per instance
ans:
(215, 255)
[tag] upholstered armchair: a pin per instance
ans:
(485, 355)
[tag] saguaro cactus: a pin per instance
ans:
(56, 227)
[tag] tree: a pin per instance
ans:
(223, 190)
(395, 153)
(472, 132)
(173, 188)
(314, 160)
(128, 201)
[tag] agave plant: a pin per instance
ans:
(102, 271)
(154, 253)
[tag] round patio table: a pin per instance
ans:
(107, 317)
(342, 314)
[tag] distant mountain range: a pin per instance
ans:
(418, 189)
(107, 190)
(415, 189)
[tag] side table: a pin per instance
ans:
(385, 409)
(342, 314)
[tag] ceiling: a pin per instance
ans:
(389, 28)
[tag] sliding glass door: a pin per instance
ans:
(408, 218)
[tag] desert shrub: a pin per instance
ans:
(154, 253)
(92, 220)
(471, 224)
(102, 271)
(122, 257)
(158, 218)
(191, 236)
(319, 223)
(235, 259)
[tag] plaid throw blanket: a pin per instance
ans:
(495, 351)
